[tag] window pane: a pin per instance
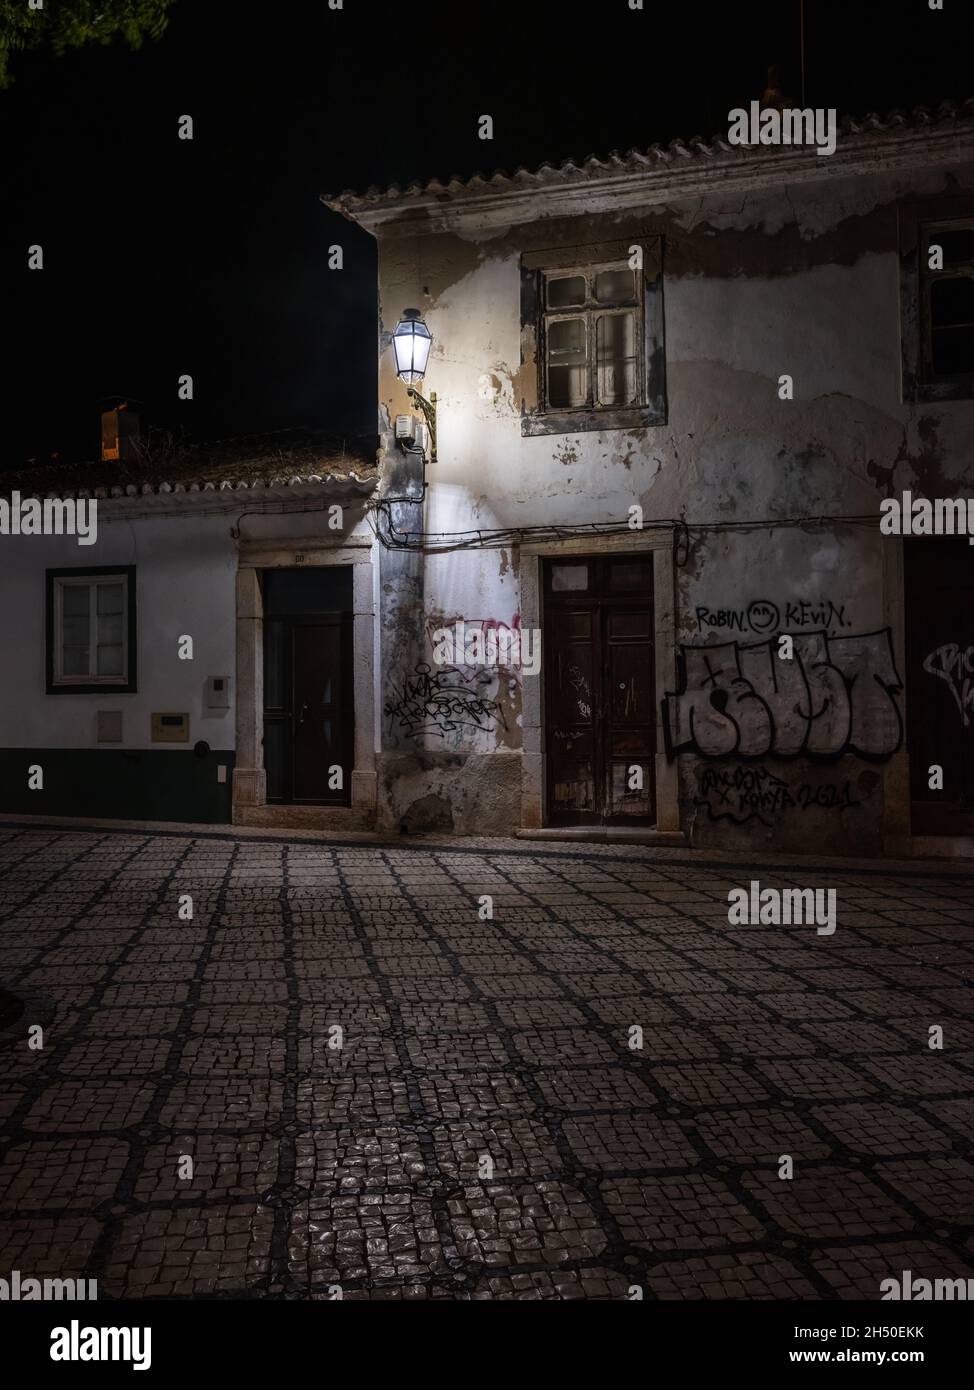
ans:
(110, 631)
(75, 600)
(74, 659)
(952, 301)
(110, 598)
(110, 660)
(957, 246)
(75, 633)
(568, 576)
(111, 636)
(567, 364)
(615, 363)
(615, 286)
(953, 351)
(566, 291)
(630, 574)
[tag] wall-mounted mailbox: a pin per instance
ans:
(218, 692)
(170, 728)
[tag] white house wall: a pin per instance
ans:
(802, 281)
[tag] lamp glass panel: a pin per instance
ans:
(421, 352)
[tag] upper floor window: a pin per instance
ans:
(91, 630)
(937, 310)
(948, 298)
(592, 338)
(592, 330)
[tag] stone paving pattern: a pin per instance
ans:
(470, 1041)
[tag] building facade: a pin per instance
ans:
(673, 389)
(641, 592)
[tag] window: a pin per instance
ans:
(938, 301)
(91, 630)
(948, 298)
(594, 326)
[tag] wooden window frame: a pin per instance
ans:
(916, 220)
(536, 268)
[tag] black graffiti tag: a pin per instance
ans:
(836, 695)
(442, 703)
(754, 792)
(762, 616)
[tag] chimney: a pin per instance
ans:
(774, 98)
(119, 432)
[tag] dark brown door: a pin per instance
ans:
(939, 579)
(600, 702)
(308, 715)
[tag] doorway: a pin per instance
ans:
(939, 582)
(308, 701)
(600, 697)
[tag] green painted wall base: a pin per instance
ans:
(120, 784)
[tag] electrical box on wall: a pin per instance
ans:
(410, 432)
(218, 693)
(170, 728)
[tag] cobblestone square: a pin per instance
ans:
(341, 1071)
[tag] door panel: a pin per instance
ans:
(940, 682)
(308, 709)
(600, 723)
(631, 713)
(318, 711)
(573, 752)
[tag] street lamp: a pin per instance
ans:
(411, 343)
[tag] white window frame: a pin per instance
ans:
(89, 581)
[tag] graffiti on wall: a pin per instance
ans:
(754, 792)
(955, 665)
(836, 695)
(443, 703)
(763, 616)
(483, 641)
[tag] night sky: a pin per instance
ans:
(165, 256)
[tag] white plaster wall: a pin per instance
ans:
(731, 446)
(185, 568)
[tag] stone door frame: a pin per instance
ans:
(249, 777)
(660, 542)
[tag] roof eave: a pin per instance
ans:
(658, 176)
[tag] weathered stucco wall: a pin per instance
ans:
(802, 281)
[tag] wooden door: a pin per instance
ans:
(308, 689)
(600, 703)
(939, 580)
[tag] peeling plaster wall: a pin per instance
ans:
(803, 281)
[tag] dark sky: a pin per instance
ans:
(165, 256)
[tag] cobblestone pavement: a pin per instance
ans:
(486, 1130)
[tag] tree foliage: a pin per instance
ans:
(62, 24)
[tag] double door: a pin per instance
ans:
(598, 643)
